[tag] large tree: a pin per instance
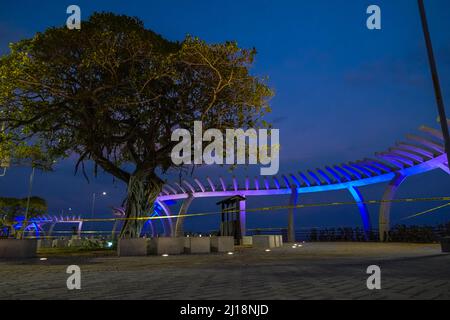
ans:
(113, 92)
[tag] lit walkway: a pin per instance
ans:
(316, 271)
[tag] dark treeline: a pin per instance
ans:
(399, 233)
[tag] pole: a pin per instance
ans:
(93, 205)
(30, 190)
(436, 83)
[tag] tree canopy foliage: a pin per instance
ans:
(113, 92)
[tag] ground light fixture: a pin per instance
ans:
(230, 253)
(165, 255)
(268, 250)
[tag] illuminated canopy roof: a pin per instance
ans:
(419, 154)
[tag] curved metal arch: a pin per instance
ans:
(222, 183)
(305, 179)
(433, 132)
(54, 220)
(179, 226)
(235, 184)
(167, 223)
(357, 174)
(315, 177)
(419, 150)
(363, 210)
(291, 218)
(445, 168)
(327, 178)
(297, 183)
(190, 186)
(371, 168)
(257, 184)
(385, 207)
(35, 227)
(391, 161)
(277, 183)
(247, 184)
(384, 165)
(286, 181)
(180, 187)
(366, 172)
(335, 175)
(407, 155)
(211, 184)
(426, 142)
(344, 173)
(399, 159)
(171, 188)
(200, 185)
(266, 183)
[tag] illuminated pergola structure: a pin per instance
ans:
(420, 154)
(37, 224)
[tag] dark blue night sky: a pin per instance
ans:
(343, 92)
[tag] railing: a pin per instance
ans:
(400, 233)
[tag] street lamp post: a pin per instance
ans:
(94, 196)
(436, 83)
(27, 208)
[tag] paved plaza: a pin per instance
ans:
(314, 271)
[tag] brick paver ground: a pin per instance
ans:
(314, 271)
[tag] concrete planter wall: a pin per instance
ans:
(267, 242)
(60, 243)
(278, 241)
(166, 245)
(133, 247)
(247, 241)
(222, 244)
(174, 246)
(75, 242)
(445, 244)
(18, 249)
(44, 243)
(197, 245)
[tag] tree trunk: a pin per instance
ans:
(143, 189)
